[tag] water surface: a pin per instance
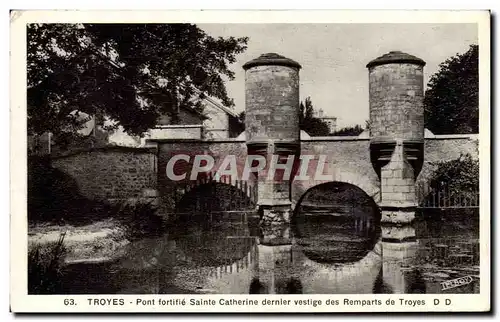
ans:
(327, 252)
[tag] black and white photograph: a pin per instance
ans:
(254, 158)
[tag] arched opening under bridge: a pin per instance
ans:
(336, 222)
(215, 224)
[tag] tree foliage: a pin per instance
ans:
(241, 120)
(310, 124)
(349, 131)
(131, 73)
(459, 176)
(451, 100)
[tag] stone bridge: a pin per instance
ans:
(347, 161)
(388, 164)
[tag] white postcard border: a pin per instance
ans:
(21, 302)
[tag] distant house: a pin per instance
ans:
(330, 120)
(215, 122)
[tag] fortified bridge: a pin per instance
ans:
(392, 164)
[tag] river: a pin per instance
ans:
(325, 253)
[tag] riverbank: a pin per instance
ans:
(97, 242)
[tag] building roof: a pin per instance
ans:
(271, 59)
(395, 57)
(217, 105)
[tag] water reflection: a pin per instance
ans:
(327, 238)
(327, 253)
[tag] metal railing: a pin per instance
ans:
(444, 197)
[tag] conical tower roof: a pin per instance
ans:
(395, 57)
(271, 59)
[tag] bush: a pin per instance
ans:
(459, 176)
(45, 263)
(138, 221)
(51, 192)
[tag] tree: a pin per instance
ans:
(310, 124)
(131, 73)
(459, 177)
(241, 119)
(451, 100)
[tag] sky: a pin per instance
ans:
(334, 57)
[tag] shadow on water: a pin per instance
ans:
(290, 286)
(219, 240)
(256, 287)
(335, 239)
(178, 262)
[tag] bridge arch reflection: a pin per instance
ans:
(336, 222)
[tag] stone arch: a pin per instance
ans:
(301, 187)
(340, 219)
(247, 188)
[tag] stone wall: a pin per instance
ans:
(449, 147)
(347, 160)
(112, 173)
(185, 117)
(217, 124)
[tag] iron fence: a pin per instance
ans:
(444, 197)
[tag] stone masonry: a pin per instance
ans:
(385, 166)
(397, 180)
(396, 106)
(396, 97)
(113, 173)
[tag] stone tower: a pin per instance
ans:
(272, 127)
(397, 131)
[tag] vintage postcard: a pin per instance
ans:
(250, 161)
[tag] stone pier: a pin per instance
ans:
(398, 198)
